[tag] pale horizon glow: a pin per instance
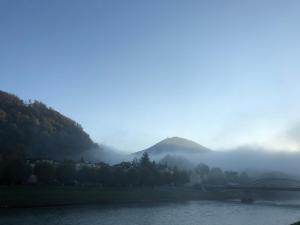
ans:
(220, 73)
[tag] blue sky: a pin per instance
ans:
(222, 73)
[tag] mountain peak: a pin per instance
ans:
(177, 145)
(178, 141)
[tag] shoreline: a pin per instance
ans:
(57, 196)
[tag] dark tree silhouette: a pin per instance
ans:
(45, 172)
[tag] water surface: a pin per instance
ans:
(190, 213)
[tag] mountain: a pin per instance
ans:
(174, 145)
(39, 131)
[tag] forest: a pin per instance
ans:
(38, 130)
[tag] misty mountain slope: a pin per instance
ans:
(39, 130)
(180, 162)
(174, 145)
(103, 153)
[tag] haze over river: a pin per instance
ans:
(189, 213)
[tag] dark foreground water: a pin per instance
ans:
(190, 213)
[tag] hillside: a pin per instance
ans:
(39, 130)
(174, 145)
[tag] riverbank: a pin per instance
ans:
(42, 196)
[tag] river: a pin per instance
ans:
(189, 213)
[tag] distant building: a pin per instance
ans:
(78, 165)
(32, 162)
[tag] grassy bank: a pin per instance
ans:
(36, 196)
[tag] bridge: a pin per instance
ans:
(267, 184)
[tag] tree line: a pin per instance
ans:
(216, 176)
(139, 173)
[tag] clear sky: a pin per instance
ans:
(222, 73)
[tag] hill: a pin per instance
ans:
(38, 130)
(174, 145)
